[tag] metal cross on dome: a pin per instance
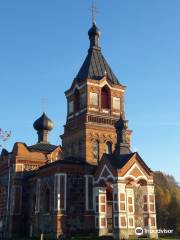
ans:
(93, 11)
(44, 102)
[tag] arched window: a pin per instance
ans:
(76, 101)
(108, 147)
(105, 97)
(96, 151)
(47, 201)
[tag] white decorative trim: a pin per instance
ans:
(76, 86)
(103, 84)
(143, 177)
(116, 113)
(103, 178)
(93, 109)
(71, 116)
(105, 110)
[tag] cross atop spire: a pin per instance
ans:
(44, 103)
(93, 11)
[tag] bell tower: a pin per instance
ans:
(95, 101)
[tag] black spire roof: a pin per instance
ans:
(95, 65)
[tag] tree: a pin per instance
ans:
(167, 193)
(4, 136)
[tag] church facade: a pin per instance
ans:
(93, 184)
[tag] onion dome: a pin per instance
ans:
(94, 30)
(94, 34)
(43, 123)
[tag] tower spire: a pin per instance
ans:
(122, 146)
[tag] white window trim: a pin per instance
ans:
(115, 202)
(114, 100)
(12, 202)
(122, 202)
(131, 217)
(37, 206)
(147, 203)
(95, 95)
(123, 215)
(70, 107)
(100, 204)
(100, 217)
(57, 198)
(152, 216)
(130, 204)
(115, 216)
(96, 226)
(87, 191)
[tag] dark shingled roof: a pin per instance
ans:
(95, 67)
(120, 161)
(42, 147)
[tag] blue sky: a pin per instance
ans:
(44, 42)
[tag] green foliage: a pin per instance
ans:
(167, 202)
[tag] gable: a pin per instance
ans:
(135, 169)
(105, 171)
(136, 172)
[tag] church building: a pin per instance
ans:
(93, 184)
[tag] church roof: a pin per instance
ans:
(95, 65)
(42, 147)
(120, 162)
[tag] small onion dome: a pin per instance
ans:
(43, 123)
(94, 31)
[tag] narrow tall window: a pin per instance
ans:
(16, 200)
(109, 148)
(80, 148)
(60, 192)
(96, 151)
(83, 100)
(34, 203)
(2, 201)
(105, 98)
(38, 185)
(72, 149)
(70, 107)
(47, 201)
(76, 101)
(89, 192)
(93, 99)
